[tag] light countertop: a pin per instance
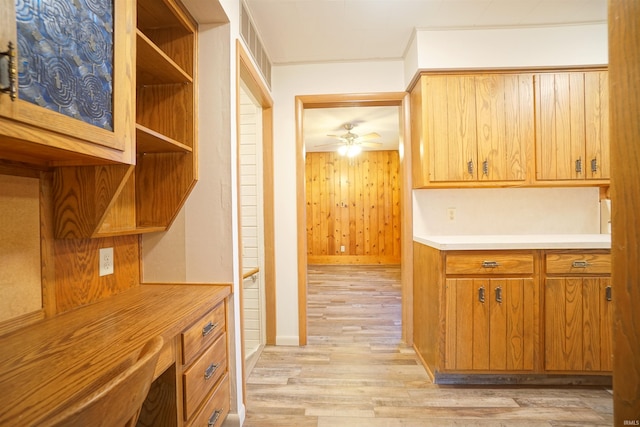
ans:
(517, 241)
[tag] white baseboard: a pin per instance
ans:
(235, 420)
(288, 340)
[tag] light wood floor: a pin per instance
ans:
(355, 371)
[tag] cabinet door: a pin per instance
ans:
(512, 310)
(596, 107)
(504, 110)
(490, 324)
(577, 324)
(450, 126)
(467, 328)
(560, 137)
(75, 82)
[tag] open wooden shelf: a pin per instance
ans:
(153, 66)
(150, 141)
(113, 200)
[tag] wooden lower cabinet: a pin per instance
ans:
(513, 315)
(578, 312)
(578, 323)
(490, 324)
(205, 378)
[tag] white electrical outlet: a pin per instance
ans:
(342, 248)
(106, 261)
(451, 214)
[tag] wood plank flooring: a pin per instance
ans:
(355, 371)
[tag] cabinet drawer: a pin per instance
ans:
(202, 375)
(203, 333)
(216, 408)
(578, 263)
(489, 263)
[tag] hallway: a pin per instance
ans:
(355, 371)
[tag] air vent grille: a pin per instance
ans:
(252, 40)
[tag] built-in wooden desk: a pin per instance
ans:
(48, 365)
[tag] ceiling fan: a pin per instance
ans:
(351, 144)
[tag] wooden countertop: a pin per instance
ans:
(47, 365)
(517, 241)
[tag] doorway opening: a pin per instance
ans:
(404, 232)
(262, 264)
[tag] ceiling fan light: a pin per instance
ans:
(343, 149)
(354, 150)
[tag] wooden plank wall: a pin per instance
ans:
(353, 203)
(67, 268)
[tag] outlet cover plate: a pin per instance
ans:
(106, 261)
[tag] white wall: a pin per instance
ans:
(510, 47)
(288, 82)
(506, 211)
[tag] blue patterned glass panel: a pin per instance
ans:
(65, 57)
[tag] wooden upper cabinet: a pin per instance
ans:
(76, 108)
(504, 110)
(473, 128)
(123, 199)
(450, 126)
(572, 119)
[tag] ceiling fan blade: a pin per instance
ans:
(372, 135)
(329, 144)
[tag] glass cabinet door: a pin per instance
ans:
(65, 57)
(75, 90)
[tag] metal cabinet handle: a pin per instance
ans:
(214, 417)
(481, 294)
(579, 165)
(580, 264)
(12, 86)
(607, 293)
(594, 165)
(208, 328)
(499, 294)
(485, 168)
(490, 264)
(210, 370)
(470, 167)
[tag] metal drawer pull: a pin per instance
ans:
(485, 168)
(210, 370)
(481, 294)
(12, 72)
(579, 165)
(499, 294)
(607, 293)
(208, 328)
(490, 264)
(214, 418)
(594, 165)
(470, 167)
(580, 264)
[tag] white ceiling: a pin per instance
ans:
(318, 123)
(313, 31)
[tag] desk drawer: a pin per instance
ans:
(203, 333)
(216, 408)
(578, 263)
(202, 375)
(489, 263)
